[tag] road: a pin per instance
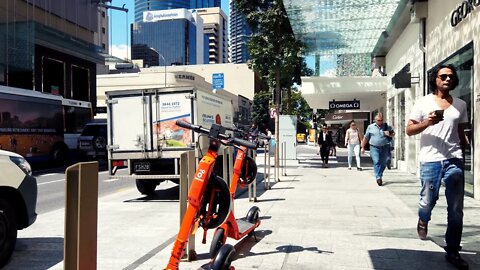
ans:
(51, 187)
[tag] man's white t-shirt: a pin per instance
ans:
(440, 141)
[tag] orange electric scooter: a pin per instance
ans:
(208, 197)
(244, 173)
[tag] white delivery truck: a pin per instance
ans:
(143, 136)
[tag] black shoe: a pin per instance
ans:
(359, 169)
(455, 259)
(389, 166)
(422, 229)
(379, 182)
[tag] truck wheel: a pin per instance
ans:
(146, 187)
(224, 258)
(217, 242)
(8, 231)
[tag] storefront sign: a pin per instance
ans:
(344, 105)
(463, 10)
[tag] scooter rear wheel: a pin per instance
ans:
(217, 242)
(253, 215)
(224, 258)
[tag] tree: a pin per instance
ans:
(260, 110)
(274, 51)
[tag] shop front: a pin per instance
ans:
(442, 36)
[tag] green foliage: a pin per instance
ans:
(260, 110)
(273, 48)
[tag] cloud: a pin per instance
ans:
(121, 51)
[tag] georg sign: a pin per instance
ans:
(462, 11)
(344, 105)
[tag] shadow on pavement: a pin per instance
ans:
(411, 259)
(160, 195)
(38, 253)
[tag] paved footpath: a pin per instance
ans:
(314, 218)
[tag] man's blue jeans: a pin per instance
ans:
(452, 173)
(379, 156)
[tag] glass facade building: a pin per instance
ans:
(148, 5)
(50, 48)
(175, 40)
(240, 33)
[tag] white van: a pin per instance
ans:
(18, 200)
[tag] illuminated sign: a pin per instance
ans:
(344, 105)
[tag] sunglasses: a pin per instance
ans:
(379, 120)
(443, 77)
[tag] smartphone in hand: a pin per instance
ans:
(439, 113)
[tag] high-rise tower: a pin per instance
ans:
(239, 35)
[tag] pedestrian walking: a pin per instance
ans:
(441, 120)
(324, 142)
(352, 142)
(378, 134)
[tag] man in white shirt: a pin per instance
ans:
(441, 120)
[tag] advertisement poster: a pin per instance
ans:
(172, 107)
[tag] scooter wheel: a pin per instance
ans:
(217, 242)
(224, 258)
(253, 215)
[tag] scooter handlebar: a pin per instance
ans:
(221, 136)
(245, 143)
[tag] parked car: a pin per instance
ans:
(18, 201)
(92, 143)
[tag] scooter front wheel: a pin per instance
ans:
(224, 258)
(217, 242)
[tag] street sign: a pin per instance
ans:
(344, 105)
(217, 81)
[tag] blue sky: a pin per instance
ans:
(120, 26)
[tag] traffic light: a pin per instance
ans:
(314, 118)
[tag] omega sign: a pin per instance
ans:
(463, 10)
(344, 105)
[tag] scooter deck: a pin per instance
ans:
(244, 225)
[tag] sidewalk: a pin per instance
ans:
(314, 218)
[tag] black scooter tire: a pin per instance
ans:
(217, 242)
(224, 258)
(253, 215)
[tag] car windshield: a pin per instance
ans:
(94, 130)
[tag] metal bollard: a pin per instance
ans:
(285, 158)
(81, 216)
(266, 178)
(187, 171)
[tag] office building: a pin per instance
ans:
(176, 35)
(142, 6)
(51, 47)
(240, 33)
(215, 28)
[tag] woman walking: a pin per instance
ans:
(352, 141)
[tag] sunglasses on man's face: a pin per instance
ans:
(443, 77)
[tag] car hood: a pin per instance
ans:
(8, 153)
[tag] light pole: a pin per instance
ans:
(165, 65)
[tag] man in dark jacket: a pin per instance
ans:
(324, 140)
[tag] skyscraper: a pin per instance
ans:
(239, 35)
(175, 34)
(147, 5)
(215, 28)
